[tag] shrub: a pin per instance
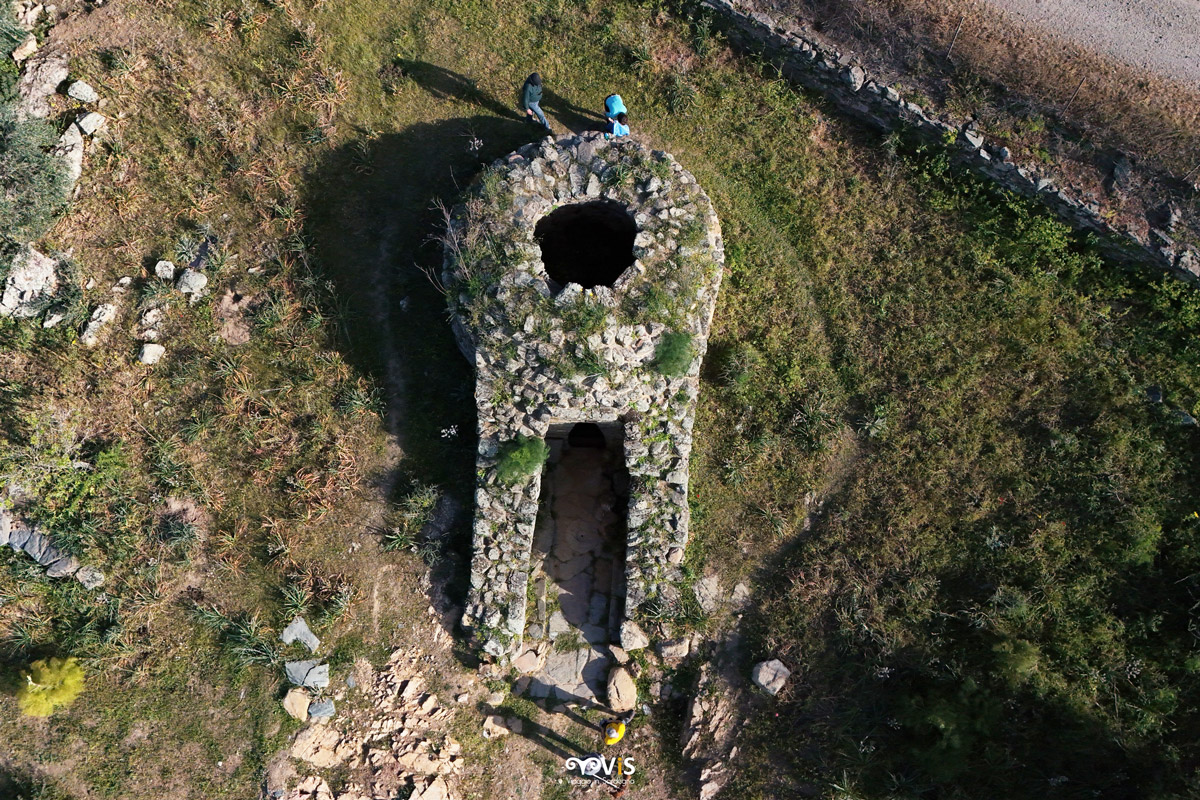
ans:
(674, 354)
(520, 458)
(49, 684)
(33, 183)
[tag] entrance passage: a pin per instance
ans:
(580, 545)
(586, 243)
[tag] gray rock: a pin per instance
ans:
(5, 525)
(151, 353)
(91, 122)
(298, 630)
(18, 534)
(1122, 172)
(70, 149)
(622, 691)
(39, 81)
(165, 270)
(36, 544)
(675, 648)
(32, 279)
(558, 625)
(740, 596)
(770, 676)
(854, 77)
(65, 567)
(974, 139)
(52, 318)
(82, 92)
(103, 315)
(90, 577)
(632, 637)
(192, 283)
(708, 593)
(25, 49)
(296, 671)
(321, 709)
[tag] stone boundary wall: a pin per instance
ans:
(819, 67)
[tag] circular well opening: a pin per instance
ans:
(586, 243)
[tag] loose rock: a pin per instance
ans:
(103, 315)
(622, 691)
(632, 637)
(770, 676)
(82, 92)
(192, 283)
(151, 353)
(298, 630)
(296, 703)
(31, 281)
(91, 122)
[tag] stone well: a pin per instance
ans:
(567, 265)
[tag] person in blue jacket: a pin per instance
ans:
(618, 126)
(531, 98)
(613, 105)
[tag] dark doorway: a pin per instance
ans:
(586, 434)
(586, 243)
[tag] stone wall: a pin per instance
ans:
(819, 67)
(547, 355)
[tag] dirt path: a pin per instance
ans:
(1159, 36)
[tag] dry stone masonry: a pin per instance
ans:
(834, 74)
(563, 330)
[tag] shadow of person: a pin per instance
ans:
(576, 119)
(447, 84)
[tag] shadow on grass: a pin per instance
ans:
(372, 223)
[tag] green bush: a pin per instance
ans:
(49, 685)
(33, 182)
(674, 354)
(521, 458)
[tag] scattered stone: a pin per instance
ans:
(632, 637)
(973, 138)
(622, 691)
(1154, 394)
(165, 270)
(64, 567)
(122, 285)
(31, 281)
(91, 122)
(151, 353)
(462, 698)
(854, 78)
(18, 534)
(296, 703)
(740, 596)
(434, 789)
(297, 629)
(675, 648)
(90, 577)
(770, 676)
(82, 92)
(494, 726)
(495, 698)
(529, 661)
(708, 593)
(312, 674)
(39, 81)
(618, 653)
(25, 49)
(192, 283)
(322, 709)
(103, 315)
(321, 746)
(1122, 172)
(70, 149)
(52, 318)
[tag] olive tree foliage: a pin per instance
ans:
(33, 182)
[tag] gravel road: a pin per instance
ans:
(1160, 36)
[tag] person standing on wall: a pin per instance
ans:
(615, 117)
(531, 98)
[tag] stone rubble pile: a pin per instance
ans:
(31, 540)
(394, 743)
(518, 335)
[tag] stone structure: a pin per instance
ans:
(834, 74)
(572, 268)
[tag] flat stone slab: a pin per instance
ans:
(312, 674)
(90, 577)
(322, 709)
(298, 630)
(65, 567)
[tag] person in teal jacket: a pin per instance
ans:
(531, 98)
(614, 105)
(617, 126)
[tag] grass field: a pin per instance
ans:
(924, 436)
